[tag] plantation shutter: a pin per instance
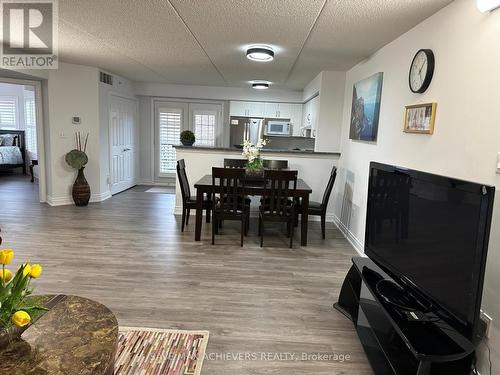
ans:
(204, 127)
(8, 112)
(170, 128)
(30, 124)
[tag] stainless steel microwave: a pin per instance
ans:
(278, 128)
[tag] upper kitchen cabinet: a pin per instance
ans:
(310, 115)
(246, 109)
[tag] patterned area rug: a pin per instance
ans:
(147, 351)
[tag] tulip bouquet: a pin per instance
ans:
(14, 288)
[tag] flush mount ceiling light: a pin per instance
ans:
(260, 85)
(260, 53)
(487, 5)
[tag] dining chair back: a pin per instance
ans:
(183, 180)
(188, 202)
(228, 185)
(277, 202)
(328, 190)
(234, 163)
(275, 164)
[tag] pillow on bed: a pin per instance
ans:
(7, 139)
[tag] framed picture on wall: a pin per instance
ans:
(365, 110)
(419, 118)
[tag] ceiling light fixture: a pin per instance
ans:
(260, 53)
(487, 5)
(260, 85)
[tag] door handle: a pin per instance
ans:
(126, 149)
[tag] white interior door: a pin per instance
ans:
(123, 135)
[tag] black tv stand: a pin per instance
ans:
(395, 345)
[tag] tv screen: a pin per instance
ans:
(432, 233)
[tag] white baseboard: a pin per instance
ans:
(151, 183)
(68, 200)
(353, 240)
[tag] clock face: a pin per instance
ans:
(421, 71)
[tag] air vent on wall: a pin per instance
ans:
(106, 78)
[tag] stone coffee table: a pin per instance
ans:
(77, 336)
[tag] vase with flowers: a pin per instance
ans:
(16, 310)
(254, 166)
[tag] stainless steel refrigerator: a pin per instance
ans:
(244, 128)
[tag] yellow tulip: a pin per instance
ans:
(6, 256)
(21, 318)
(5, 275)
(36, 271)
(26, 270)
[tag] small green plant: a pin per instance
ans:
(187, 137)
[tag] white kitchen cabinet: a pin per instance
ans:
(296, 119)
(246, 109)
(310, 115)
(284, 110)
(271, 110)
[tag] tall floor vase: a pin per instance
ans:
(81, 189)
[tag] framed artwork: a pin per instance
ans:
(365, 109)
(420, 118)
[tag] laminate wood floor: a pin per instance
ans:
(129, 254)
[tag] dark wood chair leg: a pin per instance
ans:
(243, 228)
(208, 211)
(292, 229)
(215, 229)
(323, 224)
(188, 211)
(183, 218)
(261, 231)
(32, 174)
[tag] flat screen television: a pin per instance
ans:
(431, 233)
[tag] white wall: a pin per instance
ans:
(467, 132)
(72, 90)
(216, 93)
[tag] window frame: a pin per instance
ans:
(16, 125)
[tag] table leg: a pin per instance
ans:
(304, 219)
(199, 214)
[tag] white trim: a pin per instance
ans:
(68, 200)
(152, 183)
(353, 240)
(40, 134)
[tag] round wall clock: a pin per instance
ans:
(421, 71)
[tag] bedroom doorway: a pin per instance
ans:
(21, 139)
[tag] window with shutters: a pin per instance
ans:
(8, 112)
(204, 123)
(170, 128)
(30, 124)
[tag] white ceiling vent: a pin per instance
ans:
(106, 78)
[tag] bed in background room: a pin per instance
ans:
(12, 150)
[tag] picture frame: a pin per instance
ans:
(420, 118)
(365, 108)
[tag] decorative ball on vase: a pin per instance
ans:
(77, 159)
(187, 138)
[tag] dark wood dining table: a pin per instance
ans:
(254, 187)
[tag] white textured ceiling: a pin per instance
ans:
(199, 42)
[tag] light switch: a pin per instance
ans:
(498, 163)
(62, 135)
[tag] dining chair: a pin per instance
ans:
(275, 164)
(278, 204)
(319, 208)
(228, 190)
(234, 163)
(189, 202)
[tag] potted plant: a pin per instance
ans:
(77, 159)
(255, 164)
(187, 138)
(16, 311)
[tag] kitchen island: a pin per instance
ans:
(313, 167)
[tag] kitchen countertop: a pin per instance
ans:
(264, 151)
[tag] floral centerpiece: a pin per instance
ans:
(251, 152)
(16, 312)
